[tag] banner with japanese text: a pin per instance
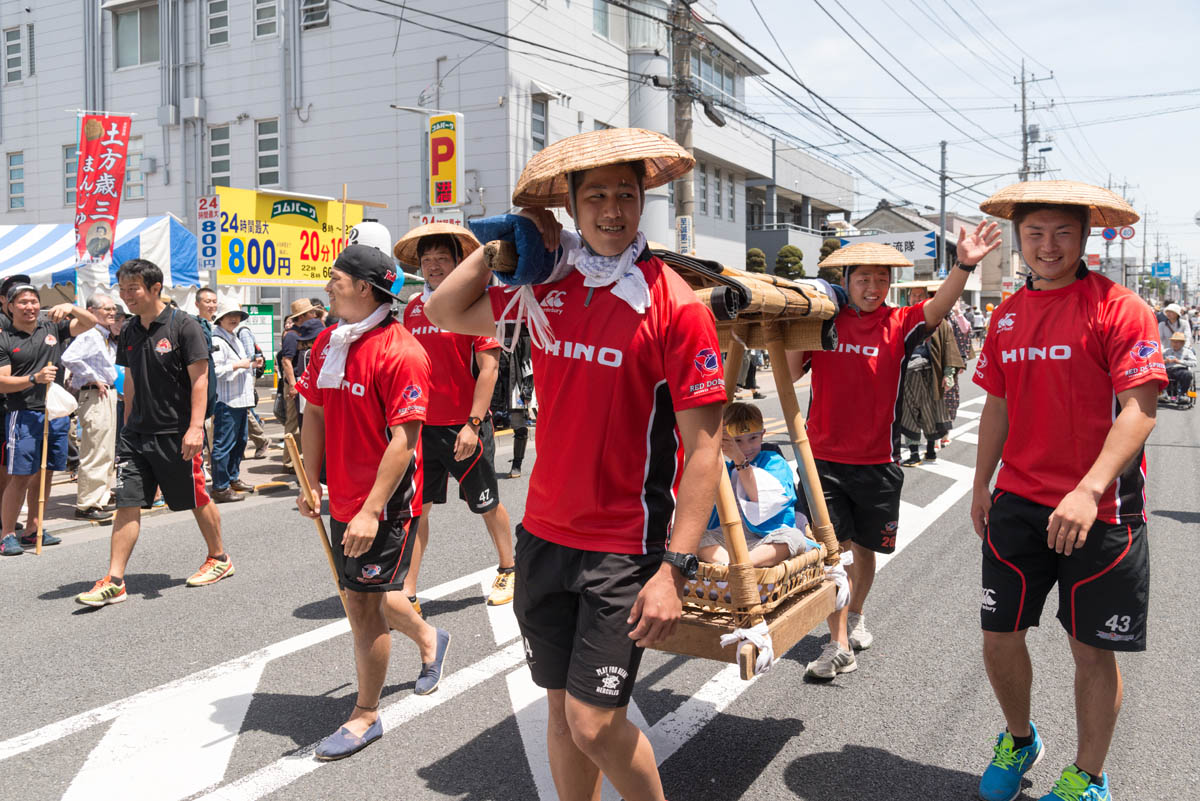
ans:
(99, 182)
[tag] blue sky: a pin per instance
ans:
(1102, 53)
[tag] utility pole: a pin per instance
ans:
(944, 249)
(1026, 107)
(685, 198)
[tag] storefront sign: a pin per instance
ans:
(446, 161)
(276, 240)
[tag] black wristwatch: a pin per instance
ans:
(967, 269)
(475, 422)
(687, 563)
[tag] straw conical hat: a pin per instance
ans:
(543, 182)
(406, 249)
(866, 253)
(1107, 209)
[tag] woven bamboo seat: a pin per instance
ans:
(710, 591)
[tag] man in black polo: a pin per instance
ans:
(165, 356)
(31, 347)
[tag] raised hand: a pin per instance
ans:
(974, 246)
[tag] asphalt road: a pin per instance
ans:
(221, 692)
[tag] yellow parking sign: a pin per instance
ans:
(446, 162)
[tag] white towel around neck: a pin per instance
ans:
(333, 369)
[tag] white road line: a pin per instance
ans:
(295, 766)
(197, 726)
(969, 415)
(969, 437)
(533, 715)
(502, 618)
(914, 520)
(957, 432)
(978, 400)
(101, 714)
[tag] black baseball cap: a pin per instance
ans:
(13, 280)
(373, 266)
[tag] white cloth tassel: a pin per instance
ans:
(760, 637)
(527, 312)
(838, 575)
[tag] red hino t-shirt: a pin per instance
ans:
(1059, 357)
(386, 383)
(609, 452)
(854, 416)
(454, 369)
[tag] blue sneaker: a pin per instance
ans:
(1002, 779)
(30, 540)
(9, 546)
(431, 672)
(1075, 785)
(342, 743)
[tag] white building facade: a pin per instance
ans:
(296, 95)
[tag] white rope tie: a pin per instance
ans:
(528, 312)
(760, 637)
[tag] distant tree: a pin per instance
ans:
(789, 262)
(831, 274)
(756, 261)
(828, 246)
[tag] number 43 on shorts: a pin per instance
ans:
(1118, 623)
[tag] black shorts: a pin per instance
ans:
(863, 501)
(150, 462)
(573, 607)
(1103, 587)
(385, 564)
(475, 475)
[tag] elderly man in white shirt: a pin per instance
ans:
(91, 358)
(235, 397)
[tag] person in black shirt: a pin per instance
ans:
(30, 349)
(165, 356)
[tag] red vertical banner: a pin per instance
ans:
(99, 182)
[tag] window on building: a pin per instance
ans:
(135, 179)
(12, 55)
(717, 193)
(537, 123)
(16, 180)
(714, 76)
(702, 189)
(732, 204)
(218, 22)
(603, 126)
(266, 152)
(70, 168)
(600, 18)
(135, 36)
(29, 46)
(218, 156)
(314, 14)
(671, 194)
(266, 22)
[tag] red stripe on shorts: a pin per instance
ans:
(1021, 605)
(1081, 582)
(198, 492)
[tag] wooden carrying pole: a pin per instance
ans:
(806, 466)
(42, 482)
(290, 441)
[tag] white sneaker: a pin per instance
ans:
(834, 659)
(856, 629)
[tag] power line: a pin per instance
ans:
(924, 9)
(1006, 36)
(782, 52)
(902, 84)
(935, 48)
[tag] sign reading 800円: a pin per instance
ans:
(271, 239)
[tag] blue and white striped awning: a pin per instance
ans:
(46, 253)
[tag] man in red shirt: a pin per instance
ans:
(457, 437)
(1072, 367)
(627, 367)
(854, 421)
(367, 384)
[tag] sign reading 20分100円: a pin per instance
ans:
(271, 239)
